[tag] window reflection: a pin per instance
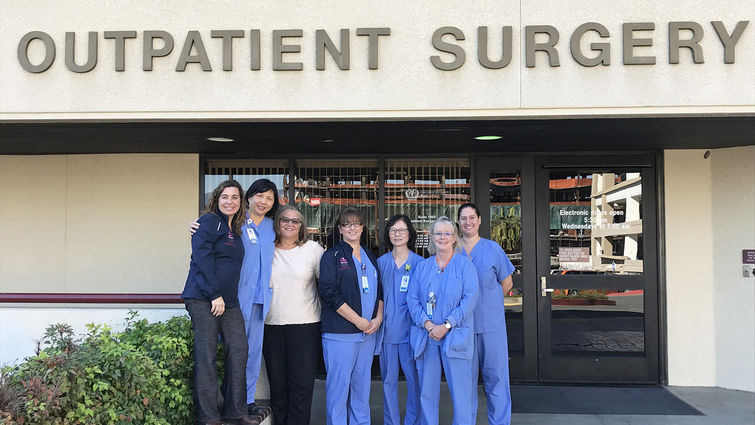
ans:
(596, 223)
(425, 189)
(586, 321)
(246, 172)
(324, 187)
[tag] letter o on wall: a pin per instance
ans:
(23, 51)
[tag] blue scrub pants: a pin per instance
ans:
(254, 324)
(390, 358)
(347, 383)
(491, 356)
(458, 376)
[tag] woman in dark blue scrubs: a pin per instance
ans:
(352, 311)
(211, 298)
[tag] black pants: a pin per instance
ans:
(230, 325)
(291, 354)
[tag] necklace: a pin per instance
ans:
(442, 268)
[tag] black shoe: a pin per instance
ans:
(259, 410)
(249, 420)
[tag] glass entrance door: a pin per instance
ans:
(582, 236)
(596, 270)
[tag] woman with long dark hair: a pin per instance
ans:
(211, 298)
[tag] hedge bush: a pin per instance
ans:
(142, 375)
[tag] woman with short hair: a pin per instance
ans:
(397, 268)
(441, 305)
(292, 327)
(352, 311)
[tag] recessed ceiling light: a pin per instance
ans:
(487, 138)
(328, 141)
(220, 139)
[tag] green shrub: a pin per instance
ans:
(143, 375)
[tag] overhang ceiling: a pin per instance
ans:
(377, 137)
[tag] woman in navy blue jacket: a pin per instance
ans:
(211, 298)
(352, 311)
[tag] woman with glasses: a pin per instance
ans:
(397, 268)
(441, 305)
(292, 327)
(352, 311)
(491, 354)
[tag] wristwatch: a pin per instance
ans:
(447, 324)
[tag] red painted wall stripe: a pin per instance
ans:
(89, 298)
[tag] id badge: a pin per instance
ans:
(429, 308)
(252, 235)
(404, 283)
(365, 285)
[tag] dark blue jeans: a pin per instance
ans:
(230, 326)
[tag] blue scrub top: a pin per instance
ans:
(492, 267)
(259, 248)
(367, 298)
(397, 321)
(455, 291)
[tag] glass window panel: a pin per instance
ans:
(596, 222)
(246, 172)
(323, 187)
(425, 189)
(587, 321)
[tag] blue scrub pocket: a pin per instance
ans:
(459, 343)
(418, 339)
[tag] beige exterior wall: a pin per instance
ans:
(733, 176)
(96, 223)
(689, 268)
(710, 218)
(405, 84)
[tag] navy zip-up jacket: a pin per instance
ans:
(338, 284)
(216, 256)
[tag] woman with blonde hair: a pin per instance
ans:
(442, 336)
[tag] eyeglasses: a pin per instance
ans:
(294, 221)
(351, 225)
(395, 232)
(442, 234)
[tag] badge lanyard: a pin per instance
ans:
(365, 281)
(430, 305)
(404, 281)
(251, 232)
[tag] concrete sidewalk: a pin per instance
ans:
(720, 406)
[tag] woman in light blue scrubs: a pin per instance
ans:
(397, 268)
(352, 312)
(491, 352)
(441, 305)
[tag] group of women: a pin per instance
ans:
(263, 277)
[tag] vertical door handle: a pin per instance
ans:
(544, 290)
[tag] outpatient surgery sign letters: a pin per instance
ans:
(541, 43)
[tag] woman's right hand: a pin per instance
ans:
(362, 324)
(218, 307)
(194, 226)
